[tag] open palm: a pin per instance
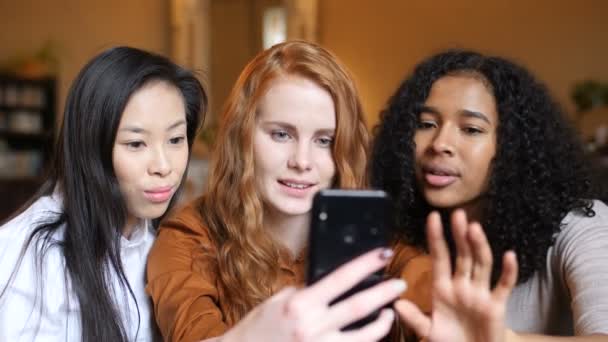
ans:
(465, 307)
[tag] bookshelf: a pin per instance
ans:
(27, 132)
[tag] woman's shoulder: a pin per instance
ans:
(577, 221)
(184, 239)
(187, 215)
(582, 233)
(185, 226)
(40, 211)
(414, 266)
(13, 237)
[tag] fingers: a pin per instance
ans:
(438, 248)
(347, 276)
(314, 320)
(282, 295)
(363, 303)
(508, 277)
(464, 260)
(482, 255)
(411, 315)
(373, 331)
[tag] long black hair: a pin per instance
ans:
(538, 174)
(94, 210)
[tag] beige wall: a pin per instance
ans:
(236, 37)
(81, 29)
(562, 41)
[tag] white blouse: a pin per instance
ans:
(40, 305)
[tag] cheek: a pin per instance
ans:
(270, 158)
(419, 144)
(180, 160)
(327, 165)
(123, 167)
(262, 159)
(481, 157)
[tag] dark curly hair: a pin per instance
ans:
(538, 175)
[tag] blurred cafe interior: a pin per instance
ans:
(43, 44)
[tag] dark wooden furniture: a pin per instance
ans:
(27, 132)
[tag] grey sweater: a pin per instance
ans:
(570, 296)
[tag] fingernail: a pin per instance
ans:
(390, 313)
(399, 284)
(386, 254)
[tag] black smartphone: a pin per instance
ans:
(344, 225)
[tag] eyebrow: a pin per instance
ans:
(136, 129)
(474, 114)
(463, 112)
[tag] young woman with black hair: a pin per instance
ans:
(481, 135)
(73, 261)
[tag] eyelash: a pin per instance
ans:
(280, 135)
(177, 140)
(472, 130)
(134, 145)
(425, 124)
(469, 130)
(325, 141)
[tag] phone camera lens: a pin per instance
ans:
(323, 216)
(349, 234)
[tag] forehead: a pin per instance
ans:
(156, 104)
(451, 94)
(297, 101)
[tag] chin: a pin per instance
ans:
(152, 213)
(294, 209)
(441, 201)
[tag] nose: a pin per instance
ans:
(159, 163)
(443, 141)
(300, 158)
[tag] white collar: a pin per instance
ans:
(138, 236)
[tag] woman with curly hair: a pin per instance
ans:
(481, 134)
(293, 125)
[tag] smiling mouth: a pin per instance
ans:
(299, 186)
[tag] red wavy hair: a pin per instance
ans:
(247, 260)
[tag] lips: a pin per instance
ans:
(438, 175)
(159, 194)
(296, 188)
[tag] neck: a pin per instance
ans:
(473, 210)
(290, 231)
(129, 227)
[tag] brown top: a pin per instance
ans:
(182, 280)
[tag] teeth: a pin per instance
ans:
(294, 185)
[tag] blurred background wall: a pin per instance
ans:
(79, 29)
(562, 41)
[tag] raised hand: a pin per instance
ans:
(305, 314)
(465, 307)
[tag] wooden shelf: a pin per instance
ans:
(7, 134)
(20, 108)
(37, 97)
